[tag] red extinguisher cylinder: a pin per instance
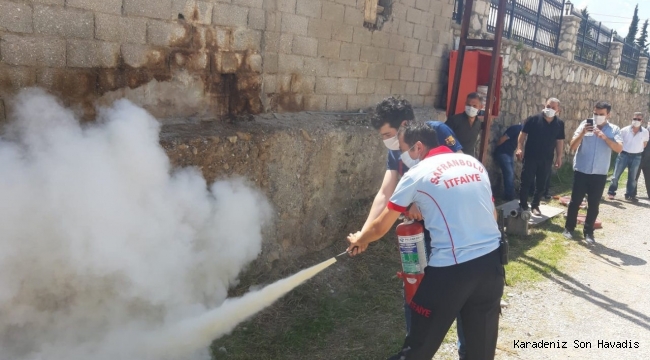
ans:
(410, 235)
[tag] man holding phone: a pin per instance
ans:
(594, 145)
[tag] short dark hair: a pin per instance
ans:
(392, 111)
(604, 105)
(419, 131)
(475, 95)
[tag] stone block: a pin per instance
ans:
(254, 63)
(398, 88)
(406, 73)
(303, 84)
(287, 6)
(73, 83)
(290, 63)
(376, 71)
(271, 63)
(272, 41)
(380, 39)
(229, 15)
(273, 21)
(333, 12)
(383, 87)
(353, 16)
(305, 46)
(337, 103)
(13, 78)
(396, 42)
(164, 33)
(92, 54)
(366, 86)
(198, 12)
(388, 56)
(405, 29)
(342, 32)
(350, 51)
(346, 2)
(424, 4)
(362, 36)
(138, 56)
(47, 2)
(257, 19)
(315, 102)
(316, 66)
(156, 9)
(420, 32)
(412, 88)
(330, 49)
(311, 8)
(245, 39)
(411, 45)
(321, 29)
(249, 3)
(269, 83)
(194, 61)
(358, 69)
(402, 58)
(420, 75)
(392, 72)
(103, 6)
(413, 15)
(327, 85)
(370, 54)
(425, 89)
(356, 102)
(348, 86)
(416, 61)
(295, 24)
(67, 23)
(32, 51)
(339, 68)
(227, 62)
(426, 47)
(120, 29)
(15, 17)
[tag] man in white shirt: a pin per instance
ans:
(635, 139)
(645, 167)
(464, 273)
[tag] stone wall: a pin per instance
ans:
(210, 58)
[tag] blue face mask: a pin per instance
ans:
(406, 158)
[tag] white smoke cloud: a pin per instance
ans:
(101, 242)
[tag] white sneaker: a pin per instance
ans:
(567, 234)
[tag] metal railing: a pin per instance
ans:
(458, 11)
(535, 23)
(629, 59)
(592, 46)
(647, 73)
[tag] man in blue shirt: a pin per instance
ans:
(464, 273)
(590, 167)
(390, 115)
(504, 155)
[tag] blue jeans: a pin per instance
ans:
(632, 163)
(407, 309)
(507, 164)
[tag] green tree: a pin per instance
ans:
(583, 24)
(634, 27)
(642, 40)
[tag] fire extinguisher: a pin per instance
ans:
(410, 236)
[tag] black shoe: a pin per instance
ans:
(547, 197)
(631, 198)
(589, 238)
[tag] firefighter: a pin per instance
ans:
(465, 272)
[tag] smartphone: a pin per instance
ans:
(590, 122)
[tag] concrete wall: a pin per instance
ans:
(187, 58)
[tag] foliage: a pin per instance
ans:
(642, 40)
(634, 26)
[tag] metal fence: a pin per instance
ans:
(647, 73)
(630, 58)
(535, 23)
(592, 46)
(458, 11)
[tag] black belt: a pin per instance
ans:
(635, 154)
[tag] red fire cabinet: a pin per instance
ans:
(476, 72)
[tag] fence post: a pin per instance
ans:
(614, 56)
(512, 18)
(642, 68)
(568, 36)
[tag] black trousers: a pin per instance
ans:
(592, 186)
(474, 289)
(645, 168)
(537, 170)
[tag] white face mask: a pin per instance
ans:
(600, 119)
(471, 111)
(548, 112)
(636, 123)
(406, 159)
(392, 143)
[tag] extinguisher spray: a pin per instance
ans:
(410, 235)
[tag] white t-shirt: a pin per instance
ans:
(633, 143)
(454, 196)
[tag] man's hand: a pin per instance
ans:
(586, 129)
(519, 154)
(600, 134)
(356, 245)
(558, 163)
(414, 213)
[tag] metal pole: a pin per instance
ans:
(584, 33)
(557, 38)
(600, 23)
(539, 13)
(496, 52)
(464, 30)
(512, 18)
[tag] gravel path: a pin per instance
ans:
(600, 293)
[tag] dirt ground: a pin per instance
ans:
(600, 293)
